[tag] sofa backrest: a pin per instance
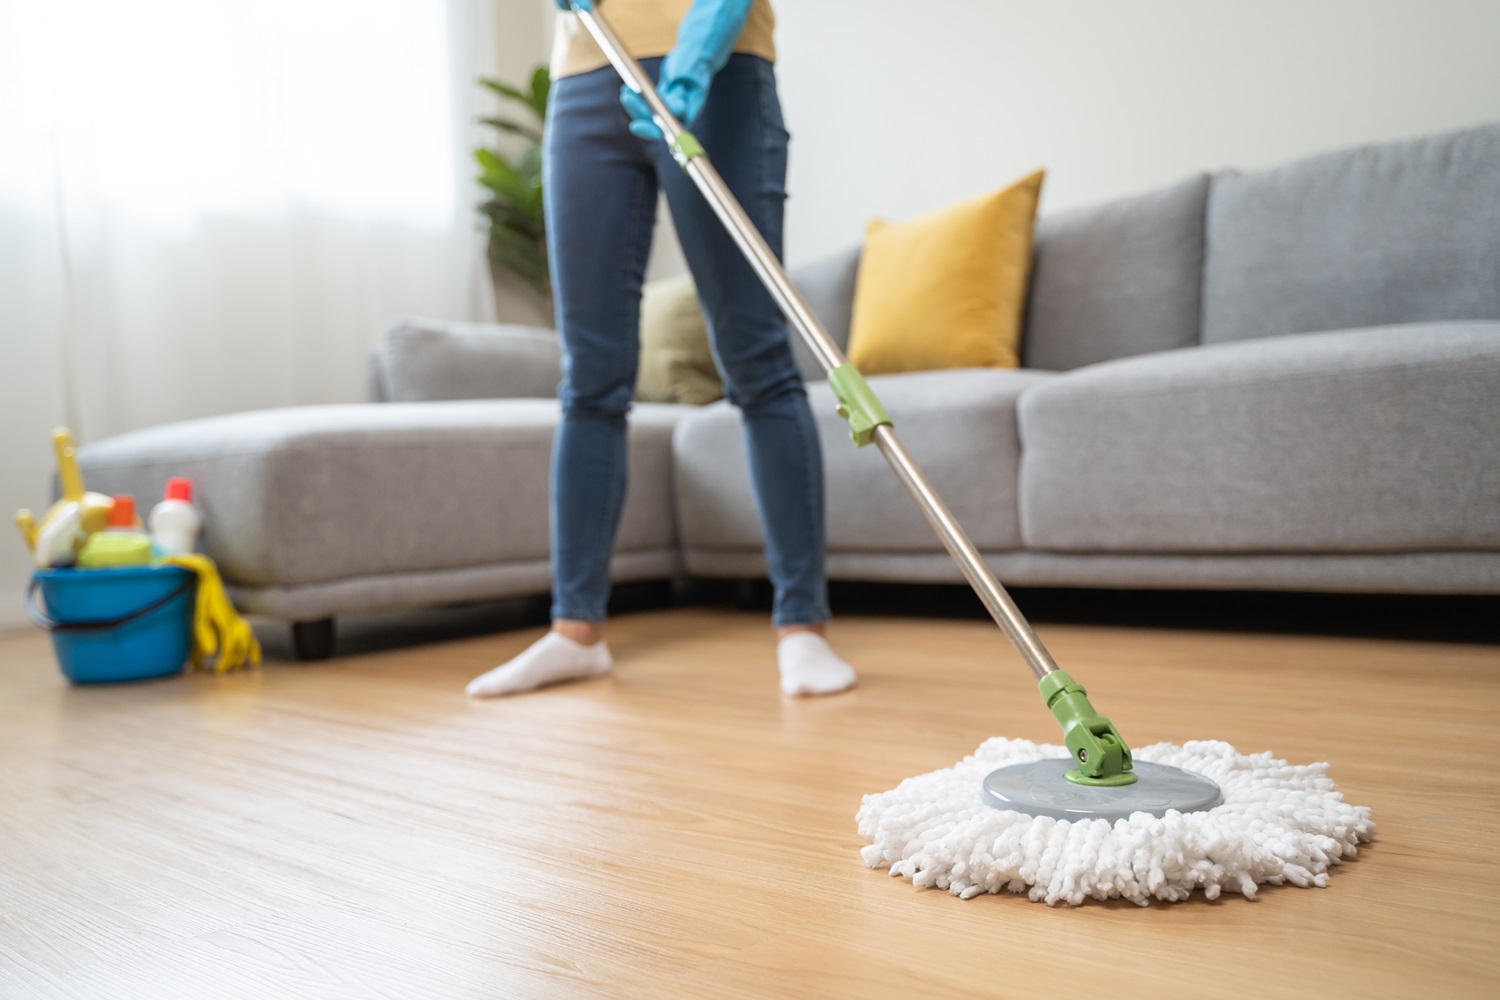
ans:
(1118, 279)
(1395, 233)
(427, 360)
(828, 287)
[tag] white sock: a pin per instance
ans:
(551, 659)
(810, 666)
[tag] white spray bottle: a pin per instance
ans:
(175, 522)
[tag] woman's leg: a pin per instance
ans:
(600, 189)
(600, 193)
(742, 130)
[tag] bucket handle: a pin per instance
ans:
(42, 619)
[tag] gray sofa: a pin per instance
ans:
(1285, 379)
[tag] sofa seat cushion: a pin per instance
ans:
(1402, 232)
(1373, 440)
(308, 495)
(958, 424)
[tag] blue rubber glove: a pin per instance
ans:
(572, 4)
(705, 39)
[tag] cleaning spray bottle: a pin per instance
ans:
(54, 538)
(175, 522)
(121, 543)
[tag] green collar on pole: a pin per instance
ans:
(685, 147)
(857, 403)
(1092, 740)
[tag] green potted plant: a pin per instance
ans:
(511, 214)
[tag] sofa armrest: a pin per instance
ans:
(422, 360)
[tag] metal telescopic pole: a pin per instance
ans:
(770, 271)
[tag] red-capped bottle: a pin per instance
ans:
(175, 522)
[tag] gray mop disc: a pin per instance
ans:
(1041, 788)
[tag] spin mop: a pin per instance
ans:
(1091, 818)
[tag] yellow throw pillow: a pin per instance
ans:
(946, 290)
(676, 365)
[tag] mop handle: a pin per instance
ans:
(868, 420)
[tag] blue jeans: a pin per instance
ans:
(601, 187)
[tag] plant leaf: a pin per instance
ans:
(505, 89)
(500, 212)
(529, 164)
(502, 178)
(496, 166)
(520, 253)
(515, 128)
(541, 86)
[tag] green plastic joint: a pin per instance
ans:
(685, 147)
(1092, 740)
(857, 403)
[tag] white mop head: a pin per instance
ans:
(1279, 823)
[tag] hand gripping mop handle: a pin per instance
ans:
(1101, 753)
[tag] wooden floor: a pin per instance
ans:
(360, 829)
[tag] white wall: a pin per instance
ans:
(897, 107)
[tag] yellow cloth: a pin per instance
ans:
(217, 627)
(946, 290)
(648, 28)
(676, 363)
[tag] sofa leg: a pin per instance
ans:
(753, 595)
(313, 640)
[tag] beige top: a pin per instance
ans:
(648, 28)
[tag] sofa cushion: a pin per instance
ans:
(1117, 279)
(1377, 440)
(1396, 233)
(676, 363)
(958, 424)
(946, 289)
(311, 494)
(426, 360)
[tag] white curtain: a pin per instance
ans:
(214, 205)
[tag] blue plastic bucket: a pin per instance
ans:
(123, 624)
